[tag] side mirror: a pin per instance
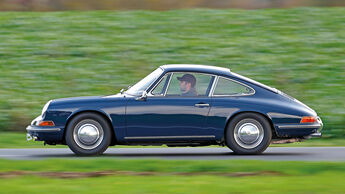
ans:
(143, 96)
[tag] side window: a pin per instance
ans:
(189, 84)
(228, 87)
(160, 88)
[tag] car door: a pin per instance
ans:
(229, 96)
(167, 114)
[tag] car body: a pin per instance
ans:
(142, 116)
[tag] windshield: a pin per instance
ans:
(143, 84)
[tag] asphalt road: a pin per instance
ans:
(199, 153)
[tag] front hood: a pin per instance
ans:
(60, 109)
(86, 100)
(82, 98)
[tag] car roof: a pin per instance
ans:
(197, 68)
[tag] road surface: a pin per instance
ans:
(197, 153)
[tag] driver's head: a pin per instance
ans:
(187, 82)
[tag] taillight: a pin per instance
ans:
(308, 119)
(46, 123)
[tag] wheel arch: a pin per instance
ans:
(274, 134)
(100, 113)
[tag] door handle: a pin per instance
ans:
(202, 105)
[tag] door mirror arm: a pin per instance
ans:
(143, 96)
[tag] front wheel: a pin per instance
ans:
(88, 134)
(248, 133)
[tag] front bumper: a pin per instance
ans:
(38, 133)
(32, 128)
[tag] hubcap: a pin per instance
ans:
(88, 134)
(248, 133)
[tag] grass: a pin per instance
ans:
(18, 140)
(290, 177)
(48, 55)
(156, 165)
(326, 183)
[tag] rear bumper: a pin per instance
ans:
(300, 129)
(317, 134)
(300, 126)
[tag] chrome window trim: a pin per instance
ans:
(215, 95)
(157, 83)
(172, 73)
(215, 81)
(156, 79)
(166, 89)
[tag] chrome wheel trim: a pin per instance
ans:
(248, 133)
(88, 134)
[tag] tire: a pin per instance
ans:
(248, 133)
(88, 134)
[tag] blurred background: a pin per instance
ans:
(65, 48)
(62, 5)
(62, 48)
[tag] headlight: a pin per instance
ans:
(45, 107)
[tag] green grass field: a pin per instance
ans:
(51, 55)
(161, 176)
(319, 183)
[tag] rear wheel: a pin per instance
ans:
(248, 133)
(88, 134)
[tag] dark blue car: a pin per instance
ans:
(178, 105)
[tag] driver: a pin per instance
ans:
(187, 85)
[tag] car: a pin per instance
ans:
(178, 105)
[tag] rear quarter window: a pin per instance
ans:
(227, 87)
